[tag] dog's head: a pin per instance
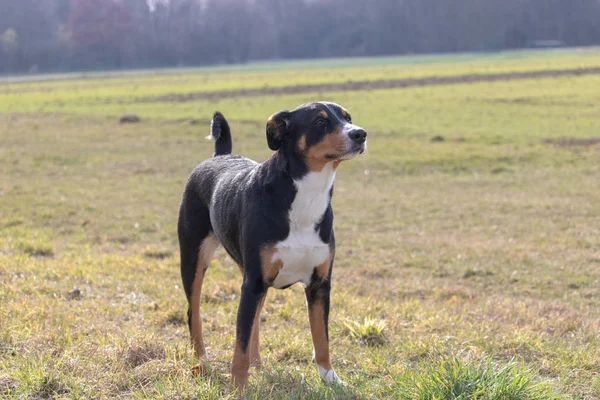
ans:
(316, 132)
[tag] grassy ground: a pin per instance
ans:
(468, 260)
(119, 94)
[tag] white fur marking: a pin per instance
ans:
(210, 136)
(329, 376)
(303, 249)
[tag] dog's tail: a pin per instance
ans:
(220, 133)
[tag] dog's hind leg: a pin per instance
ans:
(197, 244)
(207, 248)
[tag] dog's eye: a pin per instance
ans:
(348, 118)
(320, 122)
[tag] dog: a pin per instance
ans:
(273, 218)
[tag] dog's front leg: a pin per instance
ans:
(317, 299)
(253, 293)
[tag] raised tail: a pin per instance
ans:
(220, 133)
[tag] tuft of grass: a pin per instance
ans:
(370, 332)
(35, 249)
(158, 254)
(137, 354)
(485, 380)
(50, 387)
(175, 318)
(7, 385)
(473, 272)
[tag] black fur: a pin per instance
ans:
(220, 133)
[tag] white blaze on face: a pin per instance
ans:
(303, 249)
(349, 127)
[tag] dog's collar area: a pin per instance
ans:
(289, 163)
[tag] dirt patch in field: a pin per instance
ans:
(574, 142)
(368, 85)
(204, 121)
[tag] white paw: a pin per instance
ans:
(330, 377)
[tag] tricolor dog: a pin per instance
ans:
(274, 219)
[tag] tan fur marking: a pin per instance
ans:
(239, 366)
(255, 337)
(242, 360)
(332, 143)
(324, 114)
(323, 268)
(196, 323)
(271, 123)
(274, 126)
(302, 144)
(207, 248)
(270, 269)
(316, 317)
(344, 112)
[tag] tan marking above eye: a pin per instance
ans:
(324, 114)
(344, 112)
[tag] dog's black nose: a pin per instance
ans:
(358, 135)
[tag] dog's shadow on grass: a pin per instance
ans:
(281, 384)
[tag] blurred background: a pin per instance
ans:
(66, 35)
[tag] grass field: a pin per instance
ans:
(468, 262)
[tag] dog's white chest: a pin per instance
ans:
(303, 249)
(300, 253)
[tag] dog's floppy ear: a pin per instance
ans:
(278, 126)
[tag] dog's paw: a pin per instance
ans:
(330, 377)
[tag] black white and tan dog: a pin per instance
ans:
(274, 219)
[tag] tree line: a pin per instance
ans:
(66, 35)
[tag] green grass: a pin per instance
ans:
(369, 332)
(454, 379)
(115, 95)
(467, 267)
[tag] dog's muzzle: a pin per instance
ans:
(358, 135)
